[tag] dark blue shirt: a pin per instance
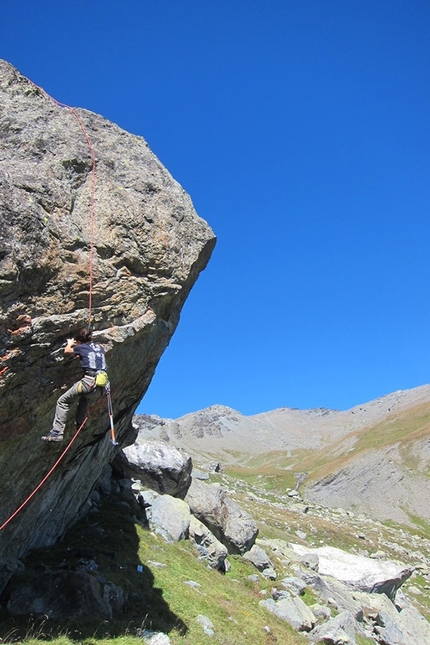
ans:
(91, 355)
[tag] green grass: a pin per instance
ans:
(362, 640)
(420, 523)
(394, 429)
(229, 601)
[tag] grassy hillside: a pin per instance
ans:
(356, 471)
(405, 428)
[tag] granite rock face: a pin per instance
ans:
(149, 248)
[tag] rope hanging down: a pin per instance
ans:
(48, 474)
(90, 305)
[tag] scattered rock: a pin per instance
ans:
(320, 611)
(192, 583)
(207, 625)
(159, 565)
(198, 474)
(258, 557)
(293, 610)
(300, 508)
(359, 572)
(336, 631)
(269, 573)
(296, 585)
(405, 627)
(153, 638)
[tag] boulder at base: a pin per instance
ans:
(233, 526)
(158, 466)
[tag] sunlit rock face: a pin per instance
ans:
(149, 248)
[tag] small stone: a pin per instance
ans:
(206, 624)
(198, 474)
(205, 621)
(157, 564)
(269, 573)
(192, 584)
(153, 638)
(377, 555)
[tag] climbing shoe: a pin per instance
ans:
(52, 437)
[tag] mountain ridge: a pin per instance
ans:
(373, 458)
(213, 420)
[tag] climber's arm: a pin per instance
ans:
(70, 345)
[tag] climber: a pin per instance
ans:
(92, 357)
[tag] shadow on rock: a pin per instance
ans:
(90, 584)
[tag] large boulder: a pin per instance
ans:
(149, 248)
(359, 571)
(233, 526)
(158, 466)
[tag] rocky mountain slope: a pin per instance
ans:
(374, 458)
(149, 248)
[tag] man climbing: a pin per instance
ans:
(92, 357)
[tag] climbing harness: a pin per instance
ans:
(101, 377)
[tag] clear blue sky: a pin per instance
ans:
(301, 130)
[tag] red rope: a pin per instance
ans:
(48, 474)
